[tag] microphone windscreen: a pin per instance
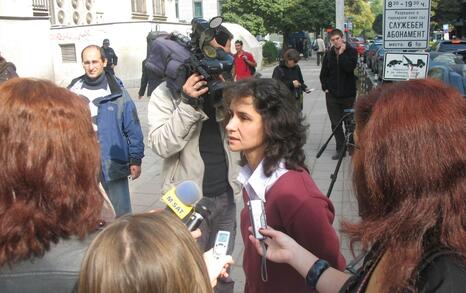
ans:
(188, 192)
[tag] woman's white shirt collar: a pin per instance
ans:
(256, 183)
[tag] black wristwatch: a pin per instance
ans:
(193, 102)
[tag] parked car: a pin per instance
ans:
(366, 47)
(446, 58)
(449, 67)
(358, 44)
(451, 46)
(371, 52)
(453, 75)
(379, 59)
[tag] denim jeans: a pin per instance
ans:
(223, 217)
(118, 193)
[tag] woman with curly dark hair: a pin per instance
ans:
(266, 126)
(410, 182)
(49, 194)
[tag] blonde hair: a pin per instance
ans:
(151, 252)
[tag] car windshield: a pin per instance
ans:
(450, 47)
(376, 46)
(447, 58)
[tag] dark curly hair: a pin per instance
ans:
(50, 168)
(285, 131)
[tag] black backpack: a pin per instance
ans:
(164, 58)
(252, 69)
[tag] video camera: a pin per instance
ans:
(205, 59)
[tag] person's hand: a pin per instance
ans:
(113, 66)
(217, 267)
(195, 86)
(196, 233)
(296, 83)
(342, 48)
(281, 247)
(135, 171)
(140, 97)
(245, 58)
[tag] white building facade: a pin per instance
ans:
(44, 38)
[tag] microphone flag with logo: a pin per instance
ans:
(181, 198)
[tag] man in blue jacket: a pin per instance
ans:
(116, 121)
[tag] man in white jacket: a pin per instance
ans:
(188, 133)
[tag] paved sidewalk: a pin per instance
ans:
(145, 191)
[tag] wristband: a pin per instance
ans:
(315, 272)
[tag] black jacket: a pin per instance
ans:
(287, 75)
(148, 80)
(440, 270)
(337, 73)
(112, 58)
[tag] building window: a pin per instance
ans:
(68, 53)
(197, 8)
(139, 9)
(159, 7)
(177, 9)
(40, 7)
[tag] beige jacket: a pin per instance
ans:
(174, 130)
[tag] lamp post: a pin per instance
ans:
(340, 14)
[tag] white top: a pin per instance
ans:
(256, 183)
(91, 95)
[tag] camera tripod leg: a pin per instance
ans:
(324, 146)
(337, 168)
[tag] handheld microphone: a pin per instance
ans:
(181, 198)
(201, 212)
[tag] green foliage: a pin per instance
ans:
(269, 52)
(280, 16)
(445, 11)
(377, 7)
(251, 22)
(433, 45)
(359, 12)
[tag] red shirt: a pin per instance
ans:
(295, 206)
(241, 68)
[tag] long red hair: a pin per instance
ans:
(410, 174)
(50, 168)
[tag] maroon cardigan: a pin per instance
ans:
(295, 206)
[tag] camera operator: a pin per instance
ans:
(187, 131)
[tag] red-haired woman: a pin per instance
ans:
(49, 193)
(410, 182)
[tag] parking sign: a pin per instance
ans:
(406, 24)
